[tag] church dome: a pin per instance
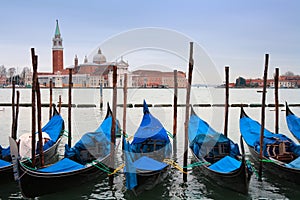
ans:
(99, 58)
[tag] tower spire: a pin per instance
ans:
(57, 32)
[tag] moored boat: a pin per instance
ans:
(145, 155)
(280, 154)
(54, 129)
(87, 160)
(217, 157)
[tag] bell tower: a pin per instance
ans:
(57, 52)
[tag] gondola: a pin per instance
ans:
(293, 123)
(54, 128)
(280, 153)
(217, 157)
(145, 155)
(87, 160)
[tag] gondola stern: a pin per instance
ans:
(14, 152)
(243, 113)
(55, 111)
(192, 111)
(287, 110)
(145, 108)
(109, 112)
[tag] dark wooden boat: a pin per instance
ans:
(280, 153)
(218, 158)
(145, 155)
(293, 122)
(54, 128)
(87, 160)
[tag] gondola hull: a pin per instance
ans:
(6, 174)
(55, 128)
(237, 180)
(50, 156)
(148, 180)
(34, 184)
(78, 166)
(278, 170)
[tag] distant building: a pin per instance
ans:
(87, 74)
(58, 53)
(100, 71)
(240, 82)
(287, 82)
(2, 80)
(155, 79)
(254, 82)
(283, 82)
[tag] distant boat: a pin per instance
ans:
(260, 91)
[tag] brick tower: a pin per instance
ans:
(57, 52)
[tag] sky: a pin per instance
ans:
(231, 33)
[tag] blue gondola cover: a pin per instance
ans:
(53, 127)
(200, 133)
(64, 165)
(130, 170)
(149, 164)
(150, 128)
(4, 152)
(4, 163)
(294, 164)
(293, 123)
(226, 165)
(97, 143)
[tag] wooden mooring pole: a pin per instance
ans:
(70, 109)
(226, 100)
(33, 110)
(59, 104)
(113, 126)
(263, 117)
(50, 99)
(276, 101)
(187, 111)
(39, 121)
(124, 108)
(175, 113)
(13, 109)
(101, 95)
(17, 115)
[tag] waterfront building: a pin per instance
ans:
(99, 71)
(87, 74)
(157, 79)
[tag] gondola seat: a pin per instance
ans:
(151, 145)
(280, 151)
(219, 151)
(153, 148)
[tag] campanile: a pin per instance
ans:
(57, 51)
